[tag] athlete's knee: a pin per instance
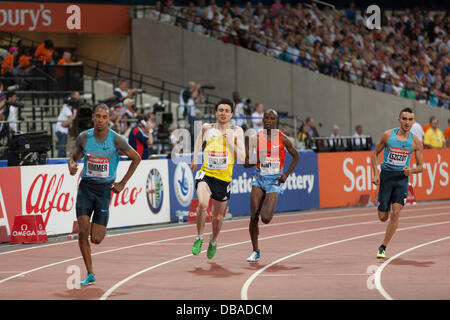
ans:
(266, 220)
(83, 233)
(203, 206)
(254, 220)
(96, 239)
(395, 215)
(383, 216)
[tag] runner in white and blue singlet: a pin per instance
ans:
(100, 147)
(398, 145)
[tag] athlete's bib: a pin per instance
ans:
(97, 167)
(397, 156)
(270, 166)
(217, 160)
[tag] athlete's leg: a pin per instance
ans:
(98, 233)
(83, 241)
(219, 210)
(384, 197)
(268, 207)
(393, 223)
(203, 194)
(256, 201)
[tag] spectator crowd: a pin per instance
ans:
(408, 57)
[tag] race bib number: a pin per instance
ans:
(397, 156)
(270, 166)
(97, 167)
(218, 160)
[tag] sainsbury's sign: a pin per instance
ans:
(64, 17)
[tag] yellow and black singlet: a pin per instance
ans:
(218, 161)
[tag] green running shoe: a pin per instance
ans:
(197, 247)
(211, 250)
(381, 253)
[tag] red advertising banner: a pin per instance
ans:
(345, 176)
(10, 196)
(64, 17)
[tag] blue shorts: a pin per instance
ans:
(94, 197)
(268, 183)
(393, 189)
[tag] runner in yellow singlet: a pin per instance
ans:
(223, 145)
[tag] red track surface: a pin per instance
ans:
(326, 254)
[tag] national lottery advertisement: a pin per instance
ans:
(301, 189)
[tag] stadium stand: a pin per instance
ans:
(408, 58)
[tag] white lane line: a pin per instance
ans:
(161, 241)
(245, 287)
(120, 283)
(378, 284)
(239, 220)
(190, 236)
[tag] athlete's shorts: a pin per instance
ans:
(393, 189)
(268, 183)
(220, 190)
(94, 197)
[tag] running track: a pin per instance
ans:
(324, 254)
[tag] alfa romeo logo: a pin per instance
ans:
(155, 190)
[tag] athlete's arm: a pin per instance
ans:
(198, 146)
(76, 155)
(418, 151)
(123, 148)
(240, 144)
(374, 159)
(295, 157)
(249, 151)
(135, 159)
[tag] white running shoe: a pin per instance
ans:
(254, 256)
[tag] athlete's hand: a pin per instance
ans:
(73, 167)
(282, 179)
(117, 187)
(376, 180)
(193, 166)
(407, 171)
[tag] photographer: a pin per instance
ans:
(141, 136)
(65, 119)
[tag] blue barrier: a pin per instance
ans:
(301, 189)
